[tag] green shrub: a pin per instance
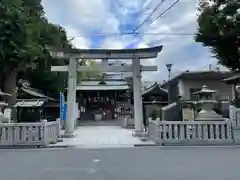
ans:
(156, 113)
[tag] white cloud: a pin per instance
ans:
(83, 18)
(117, 42)
(180, 19)
(92, 15)
(112, 43)
(77, 38)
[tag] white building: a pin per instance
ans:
(188, 82)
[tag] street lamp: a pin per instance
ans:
(169, 68)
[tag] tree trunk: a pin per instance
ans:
(10, 88)
(1, 85)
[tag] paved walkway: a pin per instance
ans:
(103, 137)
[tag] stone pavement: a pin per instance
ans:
(103, 137)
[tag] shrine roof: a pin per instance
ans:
(102, 87)
(96, 85)
(233, 79)
(35, 93)
(29, 103)
(155, 88)
(109, 82)
(25, 87)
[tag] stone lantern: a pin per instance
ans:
(207, 100)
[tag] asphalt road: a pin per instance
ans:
(142, 163)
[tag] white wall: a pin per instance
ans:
(222, 89)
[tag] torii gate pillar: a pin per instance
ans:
(71, 98)
(138, 107)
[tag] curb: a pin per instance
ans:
(187, 145)
(134, 146)
(34, 147)
(146, 145)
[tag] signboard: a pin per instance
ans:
(188, 114)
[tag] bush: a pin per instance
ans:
(156, 113)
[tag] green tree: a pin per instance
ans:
(87, 75)
(41, 76)
(13, 40)
(219, 29)
(24, 34)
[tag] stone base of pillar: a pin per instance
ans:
(68, 135)
(145, 136)
(137, 133)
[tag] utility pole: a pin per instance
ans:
(169, 68)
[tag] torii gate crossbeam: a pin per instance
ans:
(131, 54)
(103, 68)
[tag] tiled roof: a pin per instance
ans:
(109, 85)
(153, 87)
(29, 103)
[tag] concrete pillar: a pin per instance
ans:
(71, 98)
(138, 107)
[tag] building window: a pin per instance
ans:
(193, 90)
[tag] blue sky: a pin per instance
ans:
(83, 19)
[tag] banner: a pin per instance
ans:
(64, 112)
(62, 106)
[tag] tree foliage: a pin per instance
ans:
(219, 29)
(13, 36)
(88, 75)
(24, 34)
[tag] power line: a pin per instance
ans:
(165, 11)
(161, 14)
(149, 16)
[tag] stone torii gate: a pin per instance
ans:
(128, 54)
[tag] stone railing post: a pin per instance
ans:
(158, 130)
(58, 129)
(45, 131)
(150, 126)
(232, 115)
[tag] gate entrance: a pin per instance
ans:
(73, 55)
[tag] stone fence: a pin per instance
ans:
(29, 134)
(190, 132)
(234, 115)
(126, 119)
